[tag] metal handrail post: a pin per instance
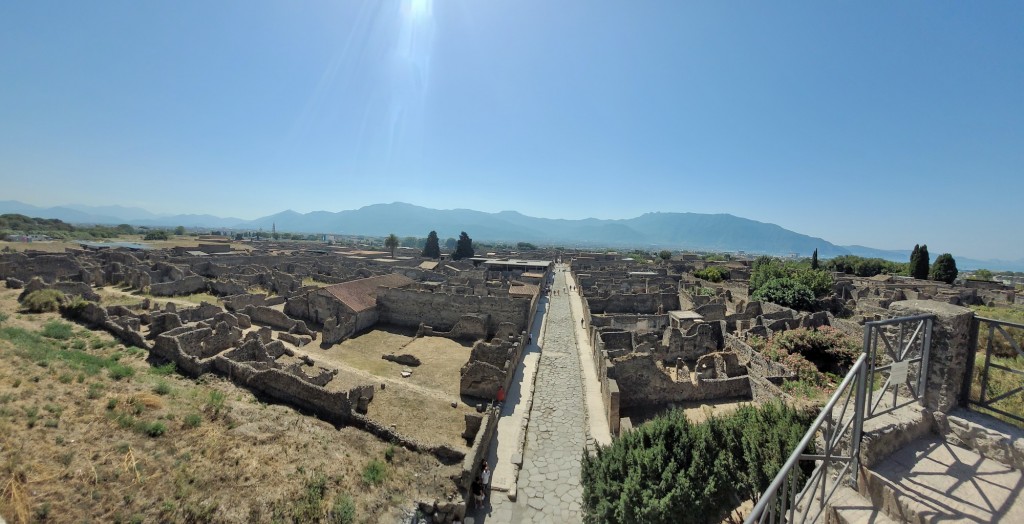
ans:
(926, 351)
(965, 392)
(858, 423)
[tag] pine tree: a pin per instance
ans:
(944, 269)
(464, 247)
(433, 247)
(814, 259)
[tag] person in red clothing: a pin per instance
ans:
(501, 394)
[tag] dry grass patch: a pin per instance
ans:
(441, 358)
(426, 419)
(104, 450)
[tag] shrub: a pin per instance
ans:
(192, 420)
(157, 235)
(74, 307)
(670, 467)
(389, 453)
(215, 402)
(309, 506)
(766, 269)
(374, 473)
(785, 292)
(162, 388)
(154, 429)
(42, 300)
(164, 370)
(712, 274)
(343, 510)
(58, 330)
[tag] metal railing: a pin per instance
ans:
(794, 496)
(998, 341)
(895, 357)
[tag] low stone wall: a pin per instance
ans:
(642, 383)
(186, 286)
(335, 406)
(478, 450)
(468, 327)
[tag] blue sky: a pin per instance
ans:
(877, 123)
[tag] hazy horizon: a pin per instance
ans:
(863, 124)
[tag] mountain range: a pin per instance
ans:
(694, 231)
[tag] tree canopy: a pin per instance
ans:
(463, 247)
(672, 470)
(920, 264)
(981, 274)
(432, 249)
(391, 243)
(944, 269)
(787, 283)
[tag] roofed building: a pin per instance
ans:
(352, 305)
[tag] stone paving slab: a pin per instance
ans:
(942, 482)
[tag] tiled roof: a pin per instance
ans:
(360, 295)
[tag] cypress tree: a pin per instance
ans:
(433, 247)
(923, 264)
(463, 247)
(914, 257)
(814, 259)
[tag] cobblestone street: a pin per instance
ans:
(549, 488)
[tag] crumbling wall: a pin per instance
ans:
(406, 307)
(185, 286)
(468, 327)
(642, 383)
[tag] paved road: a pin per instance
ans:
(549, 487)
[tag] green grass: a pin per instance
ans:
(43, 351)
(164, 370)
(193, 420)
(999, 382)
(309, 506)
(95, 391)
(215, 402)
(58, 330)
(374, 473)
(343, 510)
(162, 388)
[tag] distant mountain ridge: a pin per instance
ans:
(695, 231)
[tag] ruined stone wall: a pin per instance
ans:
(642, 383)
(279, 384)
(404, 307)
(696, 341)
(653, 303)
(49, 267)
